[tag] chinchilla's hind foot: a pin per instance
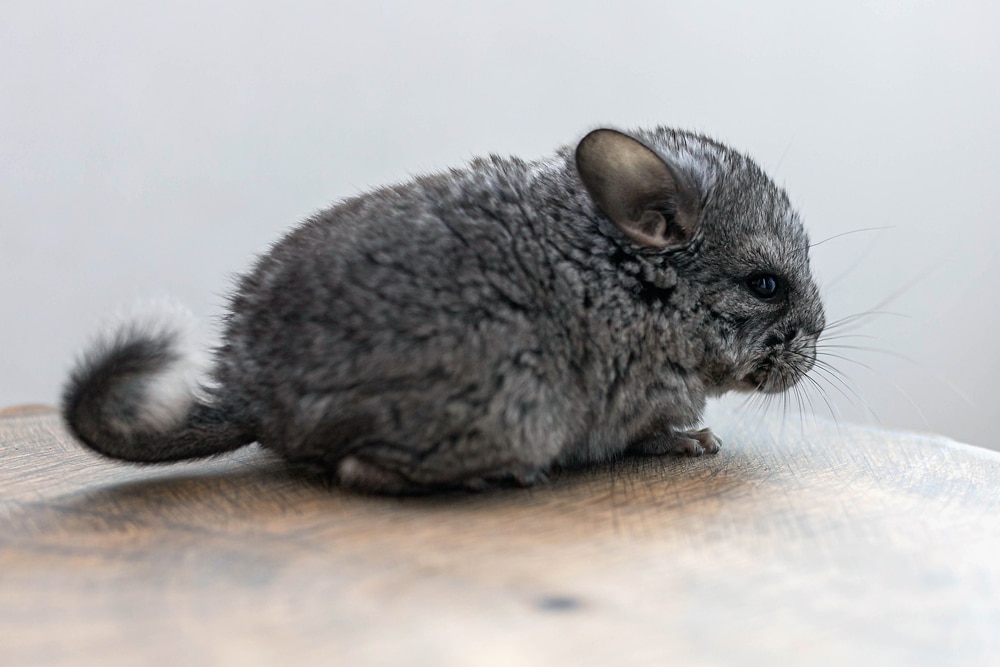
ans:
(373, 476)
(357, 474)
(684, 443)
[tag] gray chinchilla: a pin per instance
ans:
(486, 324)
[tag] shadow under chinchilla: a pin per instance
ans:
(266, 505)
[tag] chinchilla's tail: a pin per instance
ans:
(133, 396)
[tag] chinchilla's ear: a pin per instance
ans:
(646, 198)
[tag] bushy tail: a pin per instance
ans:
(132, 396)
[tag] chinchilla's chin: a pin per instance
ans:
(738, 385)
(776, 387)
(775, 375)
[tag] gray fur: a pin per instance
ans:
(492, 322)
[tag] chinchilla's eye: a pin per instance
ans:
(765, 286)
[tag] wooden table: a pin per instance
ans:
(811, 545)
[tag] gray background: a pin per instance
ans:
(152, 149)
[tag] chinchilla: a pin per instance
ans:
(485, 325)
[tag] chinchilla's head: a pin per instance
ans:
(692, 207)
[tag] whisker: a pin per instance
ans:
(849, 360)
(891, 383)
(836, 383)
(845, 335)
(851, 319)
(937, 377)
(853, 231)
(784, 414)
(837, 379)
(822, 394)
(906, 287)
(784, 154)
(809, 400)
(801, 399)
(869, 348)
(851, 267)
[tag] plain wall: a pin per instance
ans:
(151, 149)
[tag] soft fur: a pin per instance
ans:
(488, 323)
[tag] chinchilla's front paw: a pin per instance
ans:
(685, 443)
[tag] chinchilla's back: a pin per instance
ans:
(433, 293)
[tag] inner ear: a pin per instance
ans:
(646, 198)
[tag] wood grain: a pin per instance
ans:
(819, 545)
